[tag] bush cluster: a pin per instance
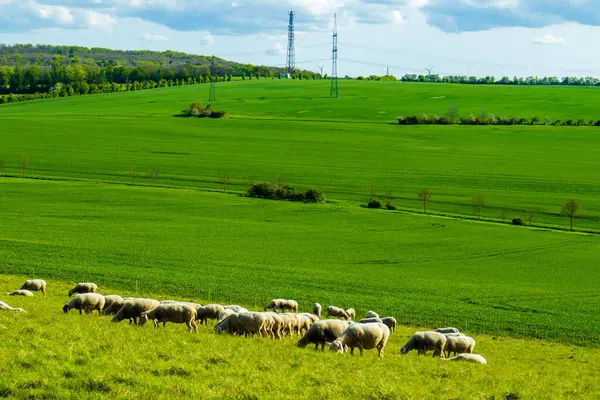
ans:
(284, 192)
(490, 119)
(198, 110)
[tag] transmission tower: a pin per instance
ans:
(334, 91)
(212, 94)
(291, 49)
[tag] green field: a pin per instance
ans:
(47, 354)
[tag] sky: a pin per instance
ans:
(451, 37)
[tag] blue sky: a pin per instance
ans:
(470, 37)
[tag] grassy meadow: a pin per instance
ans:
(47, 354)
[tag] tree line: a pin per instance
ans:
(491, 80)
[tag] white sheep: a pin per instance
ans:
(115, 306)
(322, 332)
(178, 313)
(474, 358)
(364, 336)
(447, 330)
(278, 325)
(236, 308)
(226, 313)
(351, 314)
(291, 323)
(209, 311)
(133, 309)
(425, 341)
(110, 299)
(25, 293)
(87, 302)
(35, 285)
(313, 318)
(6, 307)
(254, 323)
(370, 320)
(459, 344)
(372, 314)
(84, 287)
(333, 311)
(282, 305)
(317, 309)
(390, 322)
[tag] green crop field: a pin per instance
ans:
(76, 204)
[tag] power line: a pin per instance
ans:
(334, 91)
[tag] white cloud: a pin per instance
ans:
(396, 17)
(276, 50)
(550, 39)
(208, 39)
(152, 37)
(59, 14)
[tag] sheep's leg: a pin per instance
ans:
(316, 346)
(361, 348)
(164, 323)
(80, 311)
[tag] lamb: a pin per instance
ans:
(447, 330)
(133, 309)
(425, 341)
(351, 314)
(178, 313)
(209, 311)
(370, 320)
(372, 314)
(35, 285)
(459, 344)
(364, 336)
(390, 322)
(333, 311)
(236, 308)
(85, 287)
(323, 331)
(25, 293)
(317, 310)
(6, 307)
(474, 358)
(87, 302)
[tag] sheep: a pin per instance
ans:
(133, 309)
(25, 293)
(390, 322)
(87, 302)
(370, 320)
(284, 305)
(459, 344)
(313, 318)
(209, 311)
(226, 313)
(317, 310)
(474, 358)
(85, 287)
(278, 325)
(115, 306)
(351, 314)
(236, 308)
(304, 323)
(6, 307)
(253, 323)
(110, 299)
(272, 304)
(229, 325)
(321, 332)
(447, 330)
(333, 311)
(364, 336)
(178, 313)
(290, 323)
(424, 341)
(35, 285)
(372, 314)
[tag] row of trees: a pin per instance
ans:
(491, 80)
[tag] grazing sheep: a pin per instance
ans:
(313, 318)
(226, 313)
(323, 331)
(291, 323)
(177, 313)
(6, 307)
(370, 320)
(317, 310)
(447, 330)
(364, 336)
(425, 341)
(115, 306)
(229, 325)
(459, 344)
(304, 323)
(474, 358)
(87, 302)
(390, 322)
(277, 326)
(254, 323)
(169, 301)
(338, 312)
(133, 309)
(372, 314)
(351, 313)
(236, 308)
(209, 311)
(35, 285)
(110, 299)
(284, 305)
(25, 293)
(85, 287)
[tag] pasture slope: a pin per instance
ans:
(47, 354)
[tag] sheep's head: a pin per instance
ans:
(143, 319)
(404, 350)
(71, 292)
(66, 308)
(336, 347)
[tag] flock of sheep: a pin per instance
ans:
(280, 318)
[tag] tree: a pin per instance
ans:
(388, 196)
(223, 180)
(1, 166)
(132, 174)
(570, 209)
(371, 194)
(24, 163)
(425, 196)
(452, 112)
(478, 204)
(153, 174)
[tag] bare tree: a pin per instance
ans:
(224, 180)
(425, 196)
(153, 174)
(24, 163)
(132, 174)
(478, 204)
(570, 209)
(531, 217)
(452, 112)
(388, 196)
(371, 194)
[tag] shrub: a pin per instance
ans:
(314, 196)
(374, 204)
(276, 191)
(261, 191)
(535, 120)
(517, 221)
(391, 207)
(198, 110)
